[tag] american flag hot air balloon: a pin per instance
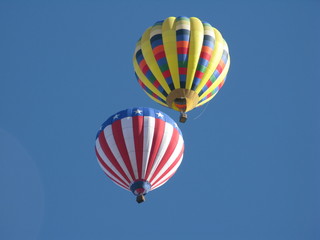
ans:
(139, 149)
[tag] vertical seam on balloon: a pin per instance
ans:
(168, 131)
(127, 131)
(171, 162)
(149, 92)
(151, 61)
(159, 184)
(156, 142)
(214, 79)
(212, 94)
(170, 49)
(196, 41)
(110, 173)
(168, 175)
(105, 148)
(145, 80)
(110, 138)
(138, 141)
(158, 50)
(214, 60)
(202, 70)
(218, 81)
(183, 41)
(148, 132)
(117, 132)
(169, 150)
(143, 70)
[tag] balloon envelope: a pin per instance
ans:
(181, 62)
(139, 149)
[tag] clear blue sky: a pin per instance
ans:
(251, 164)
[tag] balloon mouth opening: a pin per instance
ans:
(181, 103)
(140, 188)
(182, 100)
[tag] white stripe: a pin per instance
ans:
(209, 31)
(226, 48)
(138, 47)
(155, 31)
(148, 132)
(116, 181)
(127, 130)
(107, 161)
(172, 158)
(167, 135)
(173, 170)
(183, 25)
(115, 151)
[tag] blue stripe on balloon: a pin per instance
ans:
(183, 35)
(162, 61)
(139, 56)
(139, 111)
(156, 43)
(182, 57)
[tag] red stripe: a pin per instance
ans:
(160, 55)
(182, 44)
(206, 49)
(221, 84)
(222, 63)
(171, 147)
(156, 83)
(205, 55)
(121, 144)
(176, 161)
(219, 68)
(156, 142)
(109, 169)
(145, 69)
(166, 73)
(107, 151)
(182, 71)
(142, 84)
(182, 50)
(209, 83)
(142, 64)
(165, 180)
(138, 141)
(198, 74)
(139, 191)
(158, 49)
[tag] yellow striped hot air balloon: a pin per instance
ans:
(181, 63)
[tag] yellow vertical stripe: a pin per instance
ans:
(218, 81)
(145, 80)
(151, 61)
(196, 40)
(214, 60)
(207, 100)
(156, 100)
(170, 47)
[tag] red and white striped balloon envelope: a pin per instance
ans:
(139, 149)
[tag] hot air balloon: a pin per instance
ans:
(181, 63)
(139, 149)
